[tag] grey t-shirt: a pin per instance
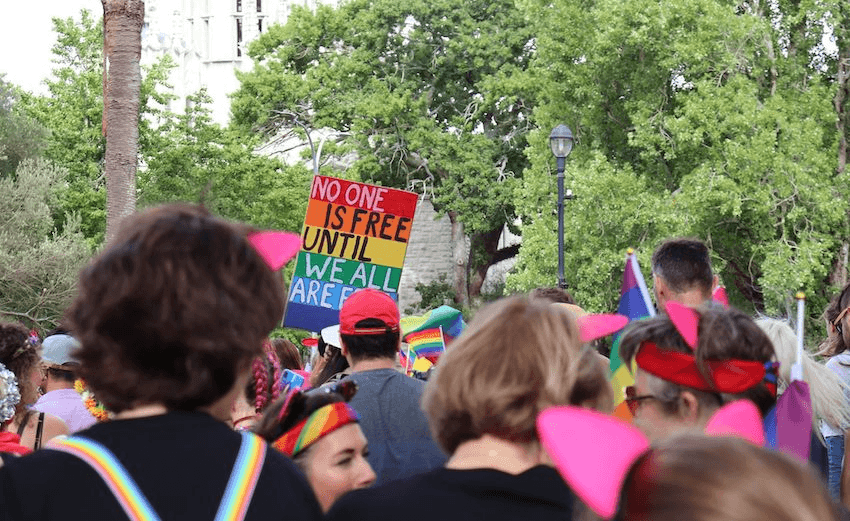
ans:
(400, 443)
(840, 364)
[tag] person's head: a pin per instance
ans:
(681, 270)
(287, 353)
(678, 388)
(721, 479)
(837, 316)
(21, 354)
(333, 362)
(320, 431)
(551, 294)
(10, 395)
(517, 357)
(369, 326)
(56, 358)
(173, 311)
(264, 386)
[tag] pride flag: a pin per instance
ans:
(446, 317)
(427, 343)
(634, 304)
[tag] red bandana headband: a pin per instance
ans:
(725, 376)
(323, 421)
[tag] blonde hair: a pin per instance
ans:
(827, 389)
(517, 357)
(722, 479)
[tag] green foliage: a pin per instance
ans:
(73, 111)
(432, 295)
(20, 136)
(205, 163)
(698, 118)
(38, 263)
(418, 88)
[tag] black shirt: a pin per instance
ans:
(181, 461)
(449, 495)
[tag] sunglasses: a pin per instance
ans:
(633, 400)
(296, 401)
(837, 322)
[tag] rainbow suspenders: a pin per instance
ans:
(234, 503)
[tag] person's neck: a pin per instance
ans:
(490, 452)
(692, 299)
(370, 364)
(56, 385)
(141, 411)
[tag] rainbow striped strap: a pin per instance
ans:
(129, 496)
(234, 503)
(243, 479)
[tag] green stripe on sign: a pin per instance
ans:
(349, 272)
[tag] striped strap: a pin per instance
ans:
(129, 496)
(234, 503)
(243, 479)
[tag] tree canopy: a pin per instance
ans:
(418, 91)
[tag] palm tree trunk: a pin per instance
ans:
(122, 48)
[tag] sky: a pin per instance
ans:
(26, 36)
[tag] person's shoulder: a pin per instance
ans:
(285, 481)
(388, 501)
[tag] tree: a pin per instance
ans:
(417, 90)
(122, 44)
(205, 163)
(73, 114)
(38, 264)
(20, 136)
(718, 119)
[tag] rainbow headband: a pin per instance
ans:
(323, 421)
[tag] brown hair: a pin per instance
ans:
(557, 295)
(287, 353)
(518, 357)
(20, 356)
(724, 333)
(172, 310)
(684, 264)
(834, 344)
(721, 479)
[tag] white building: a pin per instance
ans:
(208, 41)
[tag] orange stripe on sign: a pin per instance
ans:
(358, 221)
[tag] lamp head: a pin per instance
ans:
(561, 141)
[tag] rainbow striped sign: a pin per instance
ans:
(355, 236)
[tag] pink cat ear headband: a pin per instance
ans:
(593, 326)
(580, 443)
(276, 248)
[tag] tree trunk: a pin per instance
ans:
(838, 277)
(484, 252)
(122, 49)
(459, 256)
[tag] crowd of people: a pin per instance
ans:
(165, 399)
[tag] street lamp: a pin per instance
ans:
(561, 142)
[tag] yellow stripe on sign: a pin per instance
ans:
(361, 248)
(619, 380)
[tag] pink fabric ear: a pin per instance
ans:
(591, 327)
(592, 451)
(276, 248)
(720, 296)
(740, 418)
(686, 321)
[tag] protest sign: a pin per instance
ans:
(355, 236)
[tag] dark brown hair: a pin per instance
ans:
(287, 353)
(724, 333)
(21, 356)
(517, 357)
(684, 264)
(557, 295)
(721, 479)
(172, 310)
(367, 347)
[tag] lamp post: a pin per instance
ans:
(561, 142)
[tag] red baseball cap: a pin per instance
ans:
(364, 304)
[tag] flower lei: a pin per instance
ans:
(94, 407)
(10, 394)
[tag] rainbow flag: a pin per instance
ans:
(446, 317)
(427, 343)
(635, 304)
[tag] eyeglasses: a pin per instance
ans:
(633, 400)
(837, 322)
